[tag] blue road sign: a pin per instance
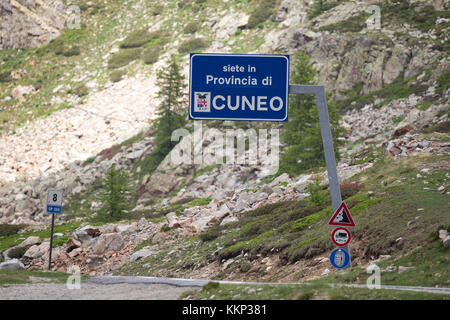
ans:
(54, 209)
(250, 87)
(339, 258)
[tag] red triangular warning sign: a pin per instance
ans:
(342, 217)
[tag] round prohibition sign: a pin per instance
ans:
(341, 237)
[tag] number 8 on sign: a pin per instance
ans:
(54, 197)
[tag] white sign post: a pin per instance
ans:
(54, 205)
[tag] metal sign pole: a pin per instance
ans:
(327, 140)
(51, 243)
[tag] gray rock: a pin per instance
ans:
(13, 264)
(85, 234)
(390, 269)
(261, 196)
(30, 241)
(35, 251)
(201, 224)
(172, 220)
(21, 91)
(135, 155)
(228, 220)
(266, 189)
(403, 269)
(126, 228)
(443, 234)
(446, 242)
(222, 212)
(143, 224)
(280, 179)
(108, 242)
(141, 254)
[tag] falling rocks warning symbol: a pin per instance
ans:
(342, 217)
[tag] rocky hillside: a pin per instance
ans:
(73, 107)
(28, 24)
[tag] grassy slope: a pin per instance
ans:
(8, 277)
(215, 291)
(11, 240)
(389, 213)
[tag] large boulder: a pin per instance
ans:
(229, 24)
(13, 264)
(201, 224)
(30, 241)
(85, 235)
(172, 220)
(16, 252)
(108, 242)
(72, 244)
(222, 212)
(37, 251)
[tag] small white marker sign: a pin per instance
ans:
(54, 201)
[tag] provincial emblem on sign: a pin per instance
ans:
(202, 102)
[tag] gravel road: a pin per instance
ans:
(92, 291)
(140, 288)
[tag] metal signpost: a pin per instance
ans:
(256, 88)
(54, 205)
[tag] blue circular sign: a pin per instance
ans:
(339, 258)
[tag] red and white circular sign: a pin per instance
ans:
(341, 237)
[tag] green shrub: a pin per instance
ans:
(80, 90)
(116, 76)
(443, 82)
(57, 45)
(192, 45)
(5, 76)
(115, 196)
(151, 55)
(210, 286)
(184, 4)
(199, 202)
(136, 39)
(442, 127)
(191, 27)
(350, 189)
(17, 252)
(124, 57)
(320, 7)
(245, 267)
(165, 228)
(318, 195)
(157, 9)
(210, 235)
(262, 12)
(70, 52)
